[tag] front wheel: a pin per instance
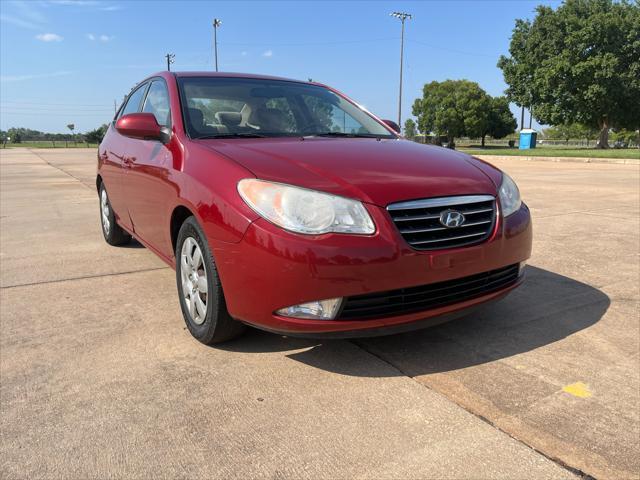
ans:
(199, 288)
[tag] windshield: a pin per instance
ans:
(245, 107)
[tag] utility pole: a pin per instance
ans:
(522, 117)
(170, 59)
(115, 106)
(402, 16)
(216, 23)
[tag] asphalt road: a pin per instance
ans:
(99, 377)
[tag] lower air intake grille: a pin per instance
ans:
(447, 222)
(426, 297)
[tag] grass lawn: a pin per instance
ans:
(553, 152)
(49, 144)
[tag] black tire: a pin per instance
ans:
(113, 233)
(217, 326)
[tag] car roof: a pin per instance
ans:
(235, 75)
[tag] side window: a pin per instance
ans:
(133, 103)
(157, 102)
(331, 117)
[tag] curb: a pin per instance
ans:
(622, 161)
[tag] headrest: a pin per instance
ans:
(196, 116)
(230, 119)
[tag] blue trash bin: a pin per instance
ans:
(527, 139)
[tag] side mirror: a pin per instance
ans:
(142, 126)
(393, 125)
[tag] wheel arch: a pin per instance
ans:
(178, 216)
(98, 182)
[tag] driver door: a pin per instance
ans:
(146, 183)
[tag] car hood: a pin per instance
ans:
(371, 170)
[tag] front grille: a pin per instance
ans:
(426, 297)
(419, 221)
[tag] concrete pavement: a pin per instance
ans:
(99, 377)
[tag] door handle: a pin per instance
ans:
(128, 161)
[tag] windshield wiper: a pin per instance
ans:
(230, 135)
(346, 135)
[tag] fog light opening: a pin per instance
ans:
(318, 310)
(521, 267)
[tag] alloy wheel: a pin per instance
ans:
(193, 275)
(104, 209)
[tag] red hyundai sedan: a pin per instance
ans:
(286, 206)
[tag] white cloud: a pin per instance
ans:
(32, 76)
(30, 11)
(18, 22)
(49, 37)
(75, 3)
(103, 38)
(268, 53)
(100, 5)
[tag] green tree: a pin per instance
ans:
(410, 129)
(579, 63)
(629, 137)
(570, 131)
(453, 108)
(96, 136)
(501, 121)
(564, 132)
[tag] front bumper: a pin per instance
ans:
(272, 268)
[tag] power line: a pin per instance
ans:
(55, 109)
(54, 104)
(451, 50)
(61, 114)
(308, 44)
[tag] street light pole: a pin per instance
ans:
(170, 59)
(216, 23)
(402, 16)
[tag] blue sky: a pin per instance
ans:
(66, 61)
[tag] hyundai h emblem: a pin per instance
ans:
(451, 218)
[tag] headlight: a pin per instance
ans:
(509, 196)
(305, 211)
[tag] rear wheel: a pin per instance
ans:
(113, 233)
(199, 288)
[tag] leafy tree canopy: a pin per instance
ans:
(96, 136)
(457, 108)
(500, 121)
(579, 63)
(570, 131)
(410, 129)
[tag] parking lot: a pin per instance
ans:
(100, 378)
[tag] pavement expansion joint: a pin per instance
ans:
(582, 475)
(84, 277)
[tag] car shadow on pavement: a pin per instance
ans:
(132, 244)
(545, 309)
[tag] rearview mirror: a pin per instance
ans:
(393, 125)
(142, 126)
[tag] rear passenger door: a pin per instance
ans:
(147, 185)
